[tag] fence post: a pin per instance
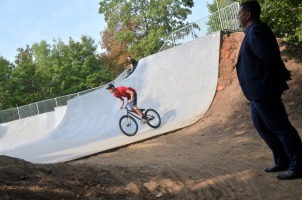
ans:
(193, 32)
(219, 15)
(18, 112)
(37, 107)
(173, 40)
(1, 117)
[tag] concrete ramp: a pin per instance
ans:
(27, 130)
(179, 83)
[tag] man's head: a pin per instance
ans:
(248, 12)
(110, 87)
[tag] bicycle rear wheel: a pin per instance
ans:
(128, 125)
(153, 118)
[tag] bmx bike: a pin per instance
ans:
(128, 124)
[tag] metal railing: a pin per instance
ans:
(46, 105)
(224, 19)
(37, 107)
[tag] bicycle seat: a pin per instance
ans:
(142, 110)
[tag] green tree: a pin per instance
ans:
(189, 3)
(42, 59)
(141, 25)
(93, 72)
(77, 67)
(25, 81)
(6, 69)
(299, 29)
(115, 56)
(43, 71)
(283, 16)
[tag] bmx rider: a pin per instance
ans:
(130, 94)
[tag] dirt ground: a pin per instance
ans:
(219, 157)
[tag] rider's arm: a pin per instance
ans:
(122, 103)
(131, 94)
(131, 67)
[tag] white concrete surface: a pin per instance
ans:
(179, 83)
(30, 129)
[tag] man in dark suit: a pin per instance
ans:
(262, 76)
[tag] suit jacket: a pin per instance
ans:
(260, 69)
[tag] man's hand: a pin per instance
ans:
(121, 107)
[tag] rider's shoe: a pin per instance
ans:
(144, 120)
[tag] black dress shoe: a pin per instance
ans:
(275, 168)
(288, 175)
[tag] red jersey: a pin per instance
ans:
(121, 92)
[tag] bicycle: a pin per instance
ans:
(128, 124)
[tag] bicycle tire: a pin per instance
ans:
(128, 125)
(153, 118)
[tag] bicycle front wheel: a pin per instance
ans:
(128, 125)
(153, 118)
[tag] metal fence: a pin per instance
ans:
(46, 105)
(224, 19)
(37, 107)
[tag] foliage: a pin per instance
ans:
(189, 3)
(138, 26)
(43, 71)
(299, 29)
(6, 69)
(283, 16)
(116, 53)
(25, 82)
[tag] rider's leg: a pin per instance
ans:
(133, 104)
(138, 111)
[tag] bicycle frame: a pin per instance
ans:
(133, 113)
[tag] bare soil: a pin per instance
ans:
(219, 157)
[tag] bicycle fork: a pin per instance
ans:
(128, 121)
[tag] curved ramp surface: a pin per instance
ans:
(30, 129)
(179, 83)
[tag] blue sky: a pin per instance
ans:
(24, 22)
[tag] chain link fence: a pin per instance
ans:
(38, 107)
(46, 105)
(224, 19)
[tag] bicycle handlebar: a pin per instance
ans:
(125, 107)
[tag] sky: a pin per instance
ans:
(25, 22)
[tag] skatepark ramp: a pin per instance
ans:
(179, 83)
